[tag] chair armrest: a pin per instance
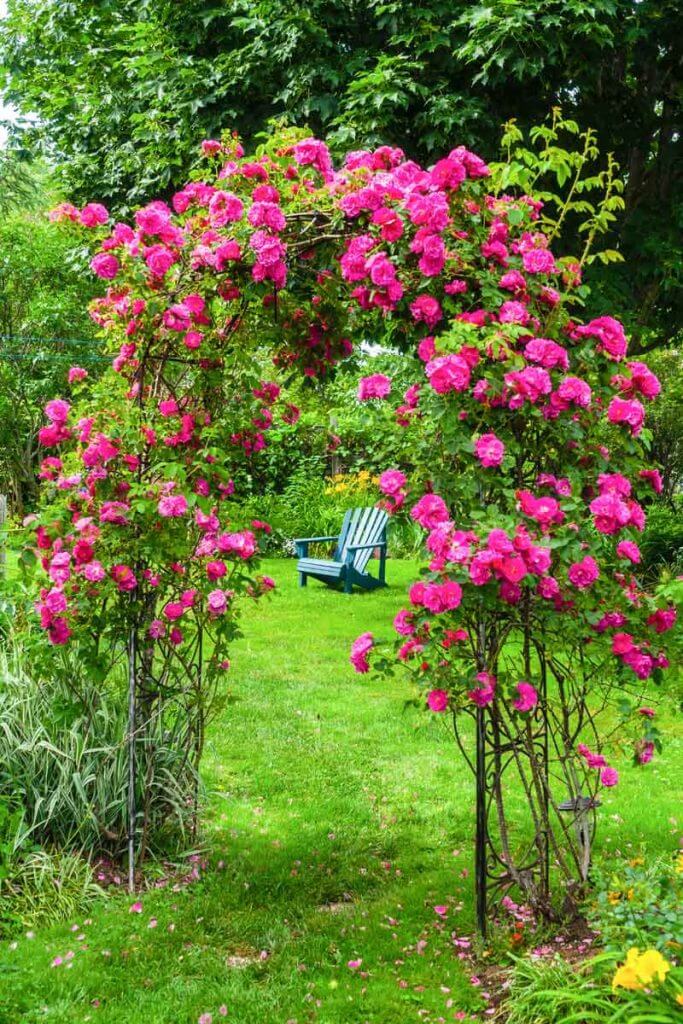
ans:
(352, 548)
(301, 543)
(311, 540)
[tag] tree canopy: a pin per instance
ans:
(122, 90)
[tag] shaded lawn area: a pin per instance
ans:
(336, 821)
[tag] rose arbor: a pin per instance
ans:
(524, 427)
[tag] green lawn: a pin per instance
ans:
(336, 821)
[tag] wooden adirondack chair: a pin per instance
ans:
(363, 530)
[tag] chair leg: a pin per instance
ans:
(303, 579)
(383, 566)
(348, 584)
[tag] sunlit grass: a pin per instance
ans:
(340, 820)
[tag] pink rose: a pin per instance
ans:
(105, 265)
(172, 506)
(610, 335)
(374, 386)
(392, 481)
(448, 373)
(527, 698)
(539, 261)
(430, 511)
(485, 692)
(437, 700)
(57, 410)
(217, 602)
(627, 410)
(360, 648)
(630, 550)
(583, 574)
(94, 214)
(489, 450)
(426, 309)
(124, 577)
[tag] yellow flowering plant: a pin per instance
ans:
(641, 970)
(651, 984)
(638, 902)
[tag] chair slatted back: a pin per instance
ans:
(361, 526)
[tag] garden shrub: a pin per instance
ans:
(637, 902)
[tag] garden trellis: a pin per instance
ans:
(528, 617)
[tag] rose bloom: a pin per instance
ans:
(105, 265)
(485, 692)
(392, 481)
(448, 373)
(489, 450)
(609, 776)
(437, 700)
(172, 506)
(430, 511)
(217, 602)
(527, 698)
(360, 648)
(583, 574)
(628, 549)
(375, 386)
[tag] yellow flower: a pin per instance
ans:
(636, 862)
(625, 976)
(652, 966)
(641, 969)
(613, 898)
(679, 864)
(629, 894)
(679, 998)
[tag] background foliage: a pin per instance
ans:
(122, 91)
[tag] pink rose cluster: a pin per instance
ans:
(82, 559)
(609, 776)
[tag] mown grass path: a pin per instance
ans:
(336, 822)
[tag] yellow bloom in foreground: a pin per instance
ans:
(652, 966)
(679, 999)
(613, 898)
(641, 969)
(679, 864)
(625, 977)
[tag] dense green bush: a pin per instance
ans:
(662, 543)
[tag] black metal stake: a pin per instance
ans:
(481, 840)
(132, 808)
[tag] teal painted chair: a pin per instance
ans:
(363, 530)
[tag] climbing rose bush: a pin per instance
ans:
(523, 431)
